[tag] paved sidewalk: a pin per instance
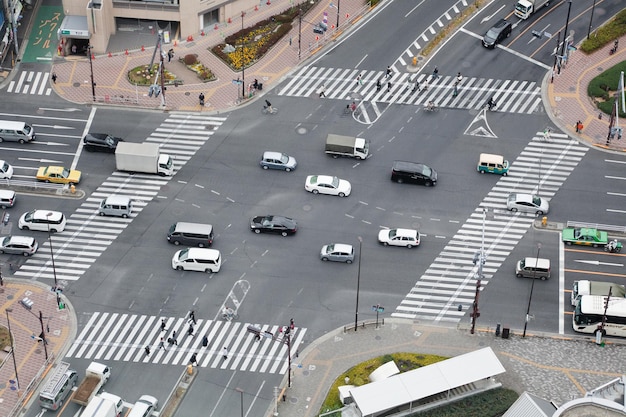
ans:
(567, 102)
(110, 73)
(554, 368)
(30, 355)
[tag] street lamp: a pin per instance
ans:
(591, 19)
(243, 63)
(54, 270)
(338, 5)
(17, 379)
(569, 8)
(358, 284)
(532, 287)
(240, 391)
(93, 83)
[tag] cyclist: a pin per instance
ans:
(227, 313)
(269, 107)
(491, 103)
(430, 106)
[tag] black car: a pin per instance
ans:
(500, 31)
(273, 224)
(101, 142)
(411, 172)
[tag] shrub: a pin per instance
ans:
(190, 59)
(606, 34)
(603, 87)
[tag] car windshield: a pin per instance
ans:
(330, 248)
(392, 233)
(27, 129)
(65, 173)
(109, 141)
(536, 200)
(29, 216)
(335, 182)
(5, 241)
(492, 34)
(284, 158)
(427, 171)
(184, 254)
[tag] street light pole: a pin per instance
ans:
(569, 8)
(17, 379)
(338, 5)
(93, 84)
(54, 270)
(240, 391)
(591, 19)
(243, 64)
(299, 32)
(358, 284)
(532, 287)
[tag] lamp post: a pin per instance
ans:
(358, 284)
(591, 19)
(243, 64)
(338, 5)
(17, 379)
(54, 270)
(93, 84)
(240, 391)
(532, 287)
(299, 32)
(569, 8)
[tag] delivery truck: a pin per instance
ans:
(96, 376)
(143, 157)
(338, 145)
(104, 405)
(525, 8)
(586, 287)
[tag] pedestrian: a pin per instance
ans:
(459, 78)
(322, 91)
(579, 126)
(435, 73)
(388, 74)
(205, 341)
(378, 85)
(225, 353)
(389, 86)
(73, 49)
(147, 349)
(292, 323)
(1, 281)
(54, 77)
(425, 85)
(615, 45)
(358, 79)
(174, 335)
(194, 359)
(170, 55)
(416, 87)
(162, 344)
(162, 325)
(175, 341)
(170, 341)
(190, 330)
(192, 317)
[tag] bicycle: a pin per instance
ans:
(270, 110)
(431, 107)
(229, 315)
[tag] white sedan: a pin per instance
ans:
(326, 184)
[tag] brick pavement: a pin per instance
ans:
(30, 359)
(112, 85)
(567, 101)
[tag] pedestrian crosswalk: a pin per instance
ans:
(511, 96)
(31, 82)
(541, 168)
(87, 235)
(124, 337)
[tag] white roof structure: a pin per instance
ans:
(415, 385)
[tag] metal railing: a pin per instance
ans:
(604, 227)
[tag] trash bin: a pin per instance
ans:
(260, 86)
(505, 332)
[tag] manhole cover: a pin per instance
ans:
(293, 400)
(76, 84)
(305, 373)
(301, 130)
(307, 207)
(378, 338)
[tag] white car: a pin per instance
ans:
(6, 170)
(42, 220)
(529, 203)
(143, 407)
(326, 184)
(409, 238)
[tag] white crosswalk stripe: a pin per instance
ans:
(450, 280)
(123, 337)
(31, 82)
(87, 235)
(512, 96)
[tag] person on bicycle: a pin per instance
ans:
(430, 106)
(353, 107)
(227, 313)
(269, 107)
(491, 103)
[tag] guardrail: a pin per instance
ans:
(605, 227)
(362, 324)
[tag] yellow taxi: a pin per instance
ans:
(59, 175)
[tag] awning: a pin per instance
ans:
(74, 27)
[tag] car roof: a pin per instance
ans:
(406, 232)
(27, 240)
(272, 155)
(500, 24)
(342, 247)
(117, 199)
(54, 168)
(321, 178)
(42, 214)
(523, 197)
(409, 166)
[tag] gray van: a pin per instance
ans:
(16, 132)
(533, 267)
(58, 387)
(116, 205)
(191, 234)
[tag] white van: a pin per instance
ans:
(42, 220)
(116, 205)
(58, 387)
(494, 164)
(7, 198)
(533, 267)
(197, 259)
(16, 132)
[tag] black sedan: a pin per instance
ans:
(273, 224)
(101, 142)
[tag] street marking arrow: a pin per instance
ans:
(54, 126)
(47, 161)
(597, 263)
(71, 109)
(492, 15)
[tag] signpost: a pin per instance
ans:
(378, 309)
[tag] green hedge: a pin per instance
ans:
(492, 403)
(603, 87)
(606, 34)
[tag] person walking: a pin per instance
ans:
(225, 353)
(174, 334)
(170, 55)
(435, 73)
(194, 359)
(147, 349)
(162, 325)
(192, 317)
(162, 344)
(54, 77)
(389, 86)
(205, 341)
(388, 74)
(322, 91)
(579, 126)
(416, 87)
(358, 79)
(292, 323)
(190, 330)
(379, 85)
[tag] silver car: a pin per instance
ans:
(278, 160)
(337, 252)
(19, 245)
(528, 203)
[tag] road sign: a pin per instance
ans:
(378, 308)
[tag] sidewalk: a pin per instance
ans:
(567, 102)
(113, 87)
(30, 356)
(549, 367)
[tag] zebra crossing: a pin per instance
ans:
(87, 235)
(31, 82)
(541, 168)
(512, 96)
(124, 337)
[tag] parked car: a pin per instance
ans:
(18, 245)
(6, 170)
(278, 160)
(143, 407)
(58, 174)
(273, 224)
(326, 184)
(409, 238)
(337, 252)
(528, 203)
(585, 236)
(101, 142)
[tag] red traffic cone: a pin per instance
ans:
(230, 20)
(142, 48)
(215, 26)
(93, 57)
(268, 2)
(126, 53)
(256, 8)
(202, 33)
(110, 55)
(189, 38)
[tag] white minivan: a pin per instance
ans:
(42, 220)
(197, 259)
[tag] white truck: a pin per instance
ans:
(525, 8)
(338, 145)
(143, 157)
(586, 287)
(96, 376)
(104, 405)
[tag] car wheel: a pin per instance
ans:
(53, 230)
(26, 254)
(519, 275)
(1, 140)
(409, 246)
(428, 183)
(288, 169)
(568, 243)
(24, 227)
(179, 268)
(342, 194)
(482, 172)
(348, 261)
(1, 251)
(540, 213)
(47, 181)
(208, 271)
(101, 213)
(265, 166)
(543, 278)
(324, 259)
(124, 216)
(257, 231)
(315, 191)
(176, 242)
(284, 233)
(385, 243)
(595, 245)
(21, 141)
(200, 245)
(513, 209)
(505, 174)
(399, 181)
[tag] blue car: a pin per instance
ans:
(278, 160)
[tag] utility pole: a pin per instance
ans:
(480, 259)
